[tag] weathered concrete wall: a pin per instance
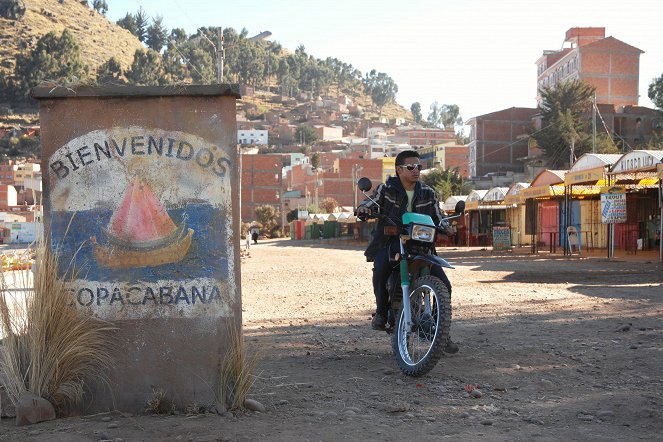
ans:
(141, 191)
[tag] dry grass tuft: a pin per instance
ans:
(159, 403)
(50, 348)
(236, 371)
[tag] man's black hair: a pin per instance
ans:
(401, 157)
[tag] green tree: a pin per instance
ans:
(315, 161)
(267, 216)
(450, 116)
(292, 215)
(655, 92)
(128, 22)
(156, 35)
(146, 69)
(178, 36)
(435, 115)
(306, 134)
(564, 114)
(11, 88)
(381, 88)
(100, 6)
(446, 182)
(201, 67)
(141, 24)
(328, 204)
(54, 58)
(110, 72)
(174, 67)
(416, 112)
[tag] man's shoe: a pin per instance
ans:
(378, 322)
(451, 348)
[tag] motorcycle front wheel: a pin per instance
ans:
(419, 348)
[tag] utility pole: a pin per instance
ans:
(594, 124)
(220, 56)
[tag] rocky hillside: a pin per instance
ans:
(98, 38)
(23, 22)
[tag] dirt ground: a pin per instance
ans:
(561, 349)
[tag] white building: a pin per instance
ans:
(252, 136)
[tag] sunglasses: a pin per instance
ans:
(411, 167)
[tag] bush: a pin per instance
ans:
(50, 348)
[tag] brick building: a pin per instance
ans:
(498, 140)
(608, 64)
(427, 136)
(458, 156)
(261, 183)
(632, 126)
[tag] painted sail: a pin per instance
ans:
(141, 233)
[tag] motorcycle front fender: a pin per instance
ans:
(433, 259)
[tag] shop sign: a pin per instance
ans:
(635, 161)
(494, 195)
(501, 238)
(613, 205)
(536, 192)
(471, 205)
(584, 176)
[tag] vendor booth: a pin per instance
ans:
(636, 172)
(582, 202)
(460, 228)
(515, 213)
(543, 199)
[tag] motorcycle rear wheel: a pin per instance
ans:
(418, 350)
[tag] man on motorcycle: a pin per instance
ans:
(402, 193)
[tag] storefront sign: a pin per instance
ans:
(635, 160)
(471, 205)
(501, 238)
(537, 192)
(584, 176)
(513, 199)
(494, 195)
(613, 205)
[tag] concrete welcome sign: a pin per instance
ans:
(147, 213)
(141, 194)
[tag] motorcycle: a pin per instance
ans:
(419, 327)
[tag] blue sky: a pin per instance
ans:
(478, 54)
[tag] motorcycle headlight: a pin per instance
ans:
(422, 233)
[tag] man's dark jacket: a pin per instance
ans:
(392, 199)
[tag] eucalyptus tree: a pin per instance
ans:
(416, 112)
(564, 110)
(381, 88)
(156, 35)
(655, 92)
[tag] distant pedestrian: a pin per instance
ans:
(247, 245)
(255, 232)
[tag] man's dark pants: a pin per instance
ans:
(381, 270)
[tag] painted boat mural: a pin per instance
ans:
(141, 233)
(146, 216)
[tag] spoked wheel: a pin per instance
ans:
(418, 349)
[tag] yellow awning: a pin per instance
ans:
(648, 182)
(471, 205)
(584, 176)
(542, 191)
(514, 199)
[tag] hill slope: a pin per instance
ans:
(98, 38)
